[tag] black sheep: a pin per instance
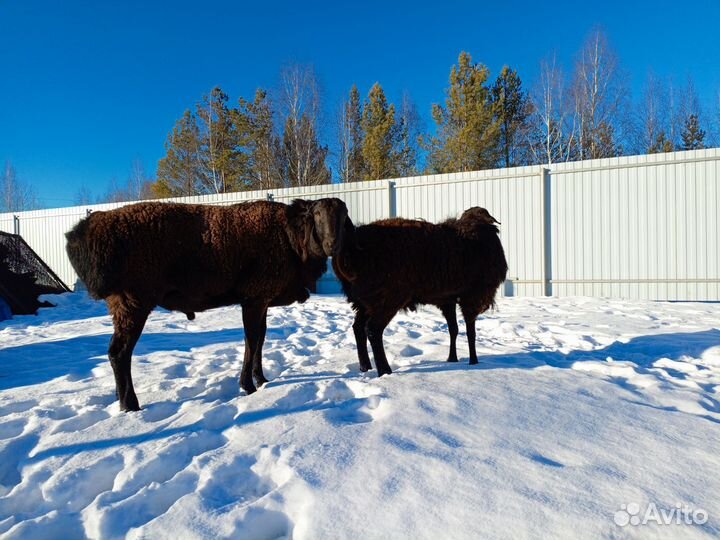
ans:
(396, 264)
(191, 258)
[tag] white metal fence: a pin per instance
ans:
(634, 227)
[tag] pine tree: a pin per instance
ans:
(661, 144)
(225, 163)
(467, 133)
(692, 135)
(356, 167)
(179, 171)
(206, 151)
(266, 157)
(605, 141)
(379, 148)
(511, 107)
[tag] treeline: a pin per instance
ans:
(283, 137)
(217, 148)
(483, 122)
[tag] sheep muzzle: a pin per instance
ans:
(329, 217)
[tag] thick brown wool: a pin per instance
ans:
(396, 264)
(191, 258)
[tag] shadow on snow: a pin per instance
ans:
(42, 362)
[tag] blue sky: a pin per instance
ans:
(87, 87)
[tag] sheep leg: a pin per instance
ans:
(258, 374)
(470, 313)
(252, 324)
(449, 312)
(361, 339)
(129, 323)
(375, 327)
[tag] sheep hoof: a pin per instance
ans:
(473, 362)
(131, 406)
(452, 359)
(364, 369)
(249, 389)
(260, 381)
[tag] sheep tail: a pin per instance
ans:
(84, 257)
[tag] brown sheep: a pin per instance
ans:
(396, 264)
(191, 258)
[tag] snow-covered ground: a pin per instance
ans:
(578, 406)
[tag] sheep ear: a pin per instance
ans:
(306, 237)
(300, 227)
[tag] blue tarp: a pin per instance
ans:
(5, 312)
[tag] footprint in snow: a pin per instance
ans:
(352, 402)
(175, 371)
(306, 341)
(299, 395)
(219, 417)
(55, 412)
(12, 428)
(191, 391)
(82, 421)
(409, 351)
(17, 407)
(80, 487)
(154, 412)
(15, 452)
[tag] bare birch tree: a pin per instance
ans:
(715, 138)
(344, 142)
(349, 133)
(15, 195)
(599, 95)
(652, 129)
(553, 134)
(300, 104)
(83, 196)
(411, 129)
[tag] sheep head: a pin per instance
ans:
(317, 228)
(479, 215)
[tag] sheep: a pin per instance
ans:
(397, 263)
(190, 258)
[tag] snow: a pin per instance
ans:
(578, 406)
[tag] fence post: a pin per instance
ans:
(546, 227)
(16, 224)
(392, 211)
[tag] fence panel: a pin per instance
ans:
(637, 227)
(366, 201)
(514, 197)
(7, 224)
(46, 235)
(633, 227)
